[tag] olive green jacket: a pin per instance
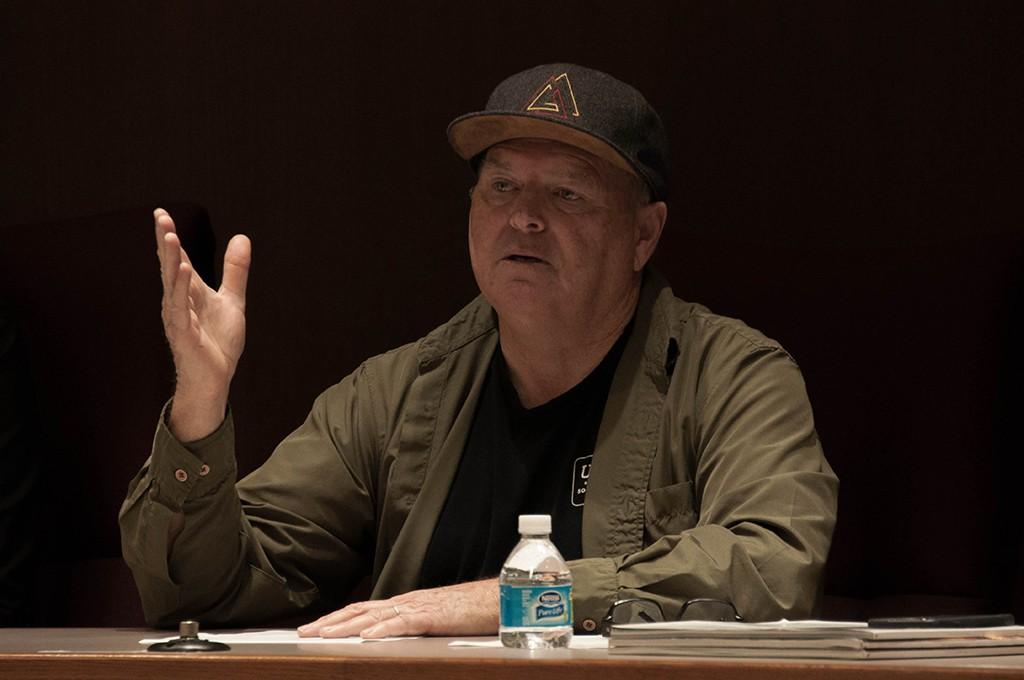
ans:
(708, 480)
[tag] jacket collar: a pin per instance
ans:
(471, 322)
(654, 309)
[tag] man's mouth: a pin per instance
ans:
(528, 259)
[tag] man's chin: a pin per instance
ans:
(522, 299)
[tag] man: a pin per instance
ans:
(576, 376)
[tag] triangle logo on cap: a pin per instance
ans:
(555, 98)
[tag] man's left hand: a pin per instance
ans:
(464, 609)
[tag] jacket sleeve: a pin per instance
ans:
(276, 544)
(750, 519)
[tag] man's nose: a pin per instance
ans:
(527, 212)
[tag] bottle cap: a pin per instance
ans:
(534, 524)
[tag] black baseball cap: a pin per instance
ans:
(575, 105)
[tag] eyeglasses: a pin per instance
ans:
(646, 610)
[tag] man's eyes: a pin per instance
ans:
(502, 186)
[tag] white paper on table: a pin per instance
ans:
(274, 637)
(577, 642)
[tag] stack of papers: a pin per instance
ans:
(813, 640)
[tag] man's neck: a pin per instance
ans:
(546, 360)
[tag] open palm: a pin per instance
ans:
(205, 328)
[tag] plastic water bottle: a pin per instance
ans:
(536, 590)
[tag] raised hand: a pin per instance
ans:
(205, 329)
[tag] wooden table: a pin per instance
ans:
(116, 653)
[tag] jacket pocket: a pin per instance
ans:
(668, 510)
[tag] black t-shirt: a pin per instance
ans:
(518, 461)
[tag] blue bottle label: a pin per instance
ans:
(536, 606)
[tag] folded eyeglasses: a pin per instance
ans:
(646, 610)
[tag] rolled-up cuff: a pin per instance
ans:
(595, 585)
(194, 470)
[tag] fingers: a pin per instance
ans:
(464, 609)
(361, 624)
(165, 225)
(170, 261)
(169, 250)
(180, 310)
(350, 620)
(183, 289)
(237, 258)
(167, 244)
(407, 622)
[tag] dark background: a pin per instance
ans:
(822, 153)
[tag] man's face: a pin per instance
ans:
(555, 233)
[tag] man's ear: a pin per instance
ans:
(650, 221)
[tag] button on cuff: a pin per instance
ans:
(181, 475)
